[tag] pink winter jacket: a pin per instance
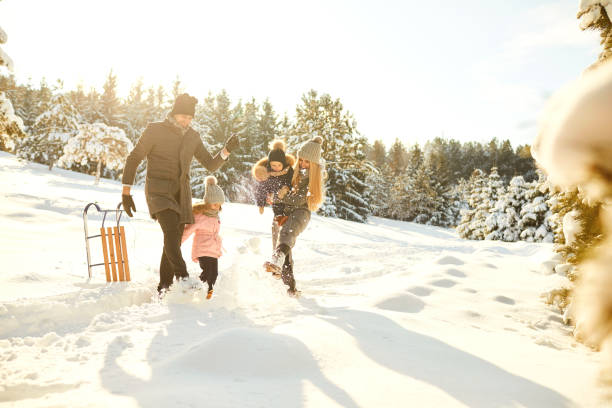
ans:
(207, 241)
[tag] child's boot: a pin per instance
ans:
(209, 294)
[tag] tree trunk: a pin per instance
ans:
(98, 172)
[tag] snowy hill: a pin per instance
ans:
(393, 314)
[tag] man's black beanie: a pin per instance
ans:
(184, 105)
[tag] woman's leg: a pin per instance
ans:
(294, 226)
(287, 273)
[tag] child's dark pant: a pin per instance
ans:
(210, 271)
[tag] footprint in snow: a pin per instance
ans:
(420, 291)
(443, 283)
(449, 260)
(456, 272)
(402, 303)
(505, 300)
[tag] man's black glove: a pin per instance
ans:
(128, 204)
(232, 143)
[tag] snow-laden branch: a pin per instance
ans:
(574, 144)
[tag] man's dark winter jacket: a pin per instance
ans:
(169, 154)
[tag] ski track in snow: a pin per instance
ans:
(392, 314)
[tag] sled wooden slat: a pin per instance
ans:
(119, 255)
(111, 249)
(105, 252)
(124, 253)
(114, 247)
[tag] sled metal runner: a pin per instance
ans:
(114, 246)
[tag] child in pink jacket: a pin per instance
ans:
(207, 246)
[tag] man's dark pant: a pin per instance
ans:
(172, 263)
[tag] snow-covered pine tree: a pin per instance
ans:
(427, 202)
(493, 191)
(584, 215)
(110, 105)
(5, 60)
(25, 105)
(397, 159)
(97, 143)
(246, 157)
(503, 223)
(400, 198)
(593, 15)
(51, 131)
(378, 185)
(216, 122)
(11, 125)
(596, 15)
(343, 149)
(268, 125)
(468, 227)
(535, 214)
(377, 154)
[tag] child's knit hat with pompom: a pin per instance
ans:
(311, 150)
(212, 192)
(278, 152)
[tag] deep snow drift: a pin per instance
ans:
(392, 314)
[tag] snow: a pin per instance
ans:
(392, 314)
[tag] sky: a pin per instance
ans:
(409, 70)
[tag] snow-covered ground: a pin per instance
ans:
(392, 314)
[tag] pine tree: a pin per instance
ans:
(379, 186)
(97, 143)
(217, 120)
(5, 60)
(377, 154)
(268, 125)
(535, 214)
(110, 105)
(51, 131)
(343, 149)
(11, 125)
(586, 217)
(595, 15)
(469, 226)
(503, 222)
(397, 158)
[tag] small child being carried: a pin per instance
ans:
(207, 246)
(272, 174)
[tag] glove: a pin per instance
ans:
(232, 143)
(128, 204)
(282, 192)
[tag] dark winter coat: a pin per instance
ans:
(269, 182)
(169, 154)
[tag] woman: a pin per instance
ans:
(306, 195)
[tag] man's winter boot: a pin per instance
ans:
(209, 294)
(275, 264)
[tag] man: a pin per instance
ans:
(169, 147)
